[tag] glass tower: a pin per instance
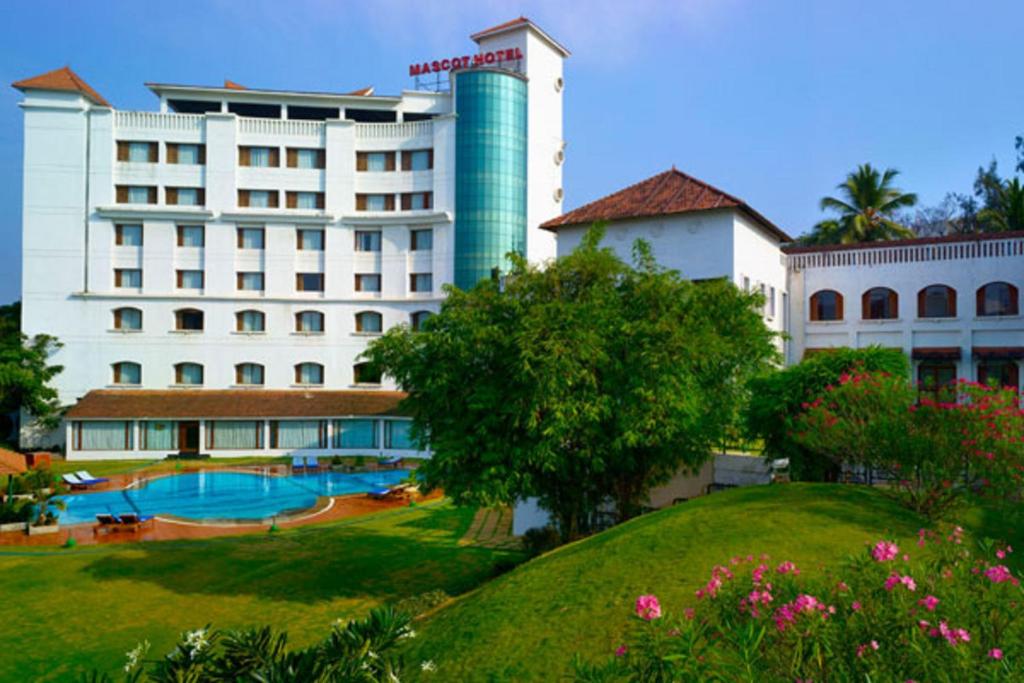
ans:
(490, 172)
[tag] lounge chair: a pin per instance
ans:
(394, 462)
(133, 521)
(298, 463)
(312, 463)
(86, 477)
(399, 491)
(75, 482)
(379, 494)
(106, 521)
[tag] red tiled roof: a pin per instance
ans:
(11, 462)
(232, 403)
(668, 193)
(362, 92)
(519, 21)
(231, 85)
(942, 239)
(63, 79)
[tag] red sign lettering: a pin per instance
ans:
(512, 54)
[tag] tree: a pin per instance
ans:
(1004, 211)
(585, 382)
(25, 372)
(867, 210)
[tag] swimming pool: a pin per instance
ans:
(209, 495)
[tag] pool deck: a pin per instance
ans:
(165, 528)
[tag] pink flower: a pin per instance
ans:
(689, 613)
(952, 635)
(929, 602)
(999, 574)
(855, 606)
(896, 580)
(648, 607)
(885, 551)
(787, 567)
(863, 648)
(995, 653)
(621, 651)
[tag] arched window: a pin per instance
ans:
(879, 303)
(127, 373)
(310, 322)
(250, 321)
(127, 319)
(936, 301)
(309, 374)
(365, 373)
(188, 319)
(249, 374)
(188, 374)
(369, 321)
(417, 319)
(826, 304)
(997, 298)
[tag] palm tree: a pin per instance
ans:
(867, 210)
(1007, 211)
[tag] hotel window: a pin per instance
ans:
(879, 303)
(746, 284)
(158, 435)
(186, 154)
(417, 201)
(375, 202)
(365, 373)
(367, 282)
(309, 322)
(763, 291)
(1000, 373)
(826, 305)
(249, 374)
(258, 199)
(250, 321)
(136, 194)
(369, 321)
(771, 302)
(189, 279)
(309, 282)
(128, 278)
(105, 435)
(234, 435)
(309, 240)
(127, 319)
(375, 161)
(304, 200)
(185, 196)
(418, 160)
(936, 301)
(128, 235)
(306, 158)
(249, 282)
(191, 235)
(354, 433)
(421, 240)
(188, 374)
(298, 434)
(934, 375)
(127, 373)
(259, 157)
(250, 238)
(188, 320)
(309, 374)
(997, 298)
(367, 240)
(421, 282)
(417, 319)
(398, 435)
(138, 152)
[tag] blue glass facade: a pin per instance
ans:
(490, 172)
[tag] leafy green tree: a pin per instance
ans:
(868, 206)
(1004, 210)
(584, 382)
(25, 372)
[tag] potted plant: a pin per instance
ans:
(14, 514)
(43, 487)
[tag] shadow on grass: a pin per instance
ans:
(379, 561)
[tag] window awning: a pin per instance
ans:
(936, 353)
(998, 352)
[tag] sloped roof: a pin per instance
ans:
(62, 79)
(11, 462)
(668, 193)
(232, 403)
(231, 85)
(516, 23)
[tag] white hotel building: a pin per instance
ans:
(215, 268)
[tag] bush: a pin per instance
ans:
(947, 615)
(776, 399)
(421, 604)
(934, 450)
(540, 540)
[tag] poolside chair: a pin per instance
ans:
(379, 494)
(394, 462)
(74, 481)
(312, 463)
(298, 463)
(106, 522)
(88, 478)
(133, 521)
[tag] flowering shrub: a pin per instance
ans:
(933, 449)
(945, 614)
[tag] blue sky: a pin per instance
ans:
(770, 101)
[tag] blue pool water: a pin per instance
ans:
(224, 495)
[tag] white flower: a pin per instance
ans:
(428, 665)
(407, 633)
(195, 641)
(135, 655)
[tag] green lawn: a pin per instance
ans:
(68, 610)
(526, 625)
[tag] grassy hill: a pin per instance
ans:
(526, 625)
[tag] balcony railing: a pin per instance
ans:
(148, 120)
(275, 127)
(389, 131)
(912, 253)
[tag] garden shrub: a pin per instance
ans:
(934, 450)
(775, 400)
(946, 614)
(539, 540)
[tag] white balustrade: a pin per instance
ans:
(939, 250)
